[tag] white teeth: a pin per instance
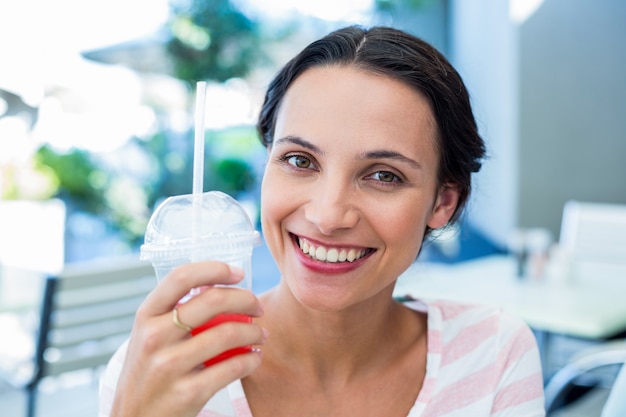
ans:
(330, 255)
(320, 254)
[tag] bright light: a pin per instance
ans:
(331, 10)
(14, 143)
(520, 10)
(78, 24)
(97, 107)
(40, 33)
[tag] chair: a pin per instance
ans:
(87, 311)
(615, 405)
(593, 235)
(594, 366)
(593, 240)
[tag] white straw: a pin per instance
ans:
(198, 150)
(198, 165)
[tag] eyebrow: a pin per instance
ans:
(386, 154)
(301, 142)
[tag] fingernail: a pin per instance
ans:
(235, 270)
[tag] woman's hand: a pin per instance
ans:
(163, 373)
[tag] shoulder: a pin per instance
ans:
(475, 336)
(108, 380)
(452, 318)
(487, 349)
(449, 315)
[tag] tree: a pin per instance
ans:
(212, 40)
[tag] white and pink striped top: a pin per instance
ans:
(481, 362)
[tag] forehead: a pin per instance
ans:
(339, 103)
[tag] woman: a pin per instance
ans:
(371, 145)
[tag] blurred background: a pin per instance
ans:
(97, 115)
(96, 109)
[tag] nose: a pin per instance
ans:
(332, 208)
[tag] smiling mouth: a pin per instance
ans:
(331, 254)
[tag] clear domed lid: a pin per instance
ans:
(211, 222)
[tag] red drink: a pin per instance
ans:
(219, 319)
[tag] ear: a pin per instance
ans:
(445, 205)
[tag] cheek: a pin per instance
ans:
(403, 226)
(271, 214)
(277, 202)
(270, 201)
(406, 236)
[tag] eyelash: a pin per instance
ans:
(396, 181)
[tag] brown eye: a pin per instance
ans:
(385, 176)
(300, 161)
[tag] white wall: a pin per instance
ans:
(572, 107)
(484, 50)
(549, 93)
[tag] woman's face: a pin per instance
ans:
(350, 185)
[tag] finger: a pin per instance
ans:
(223, 373)
(208, 344)
(218, 300)
(170, 362)
(200, 312)
(182, 279)
(196, 388)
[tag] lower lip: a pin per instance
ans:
(219, 319)
(327, 267)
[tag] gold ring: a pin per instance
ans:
(179, 323)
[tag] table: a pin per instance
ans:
(589, 308)
(585, 307)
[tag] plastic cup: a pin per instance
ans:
(199, 227)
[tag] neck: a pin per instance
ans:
(336, 345)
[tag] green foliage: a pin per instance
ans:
(231, 176)
(118, 199)
(226, 160)
(78, 177)
(236, 141)
(391, 5)
(27, 181)
(212, 40)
